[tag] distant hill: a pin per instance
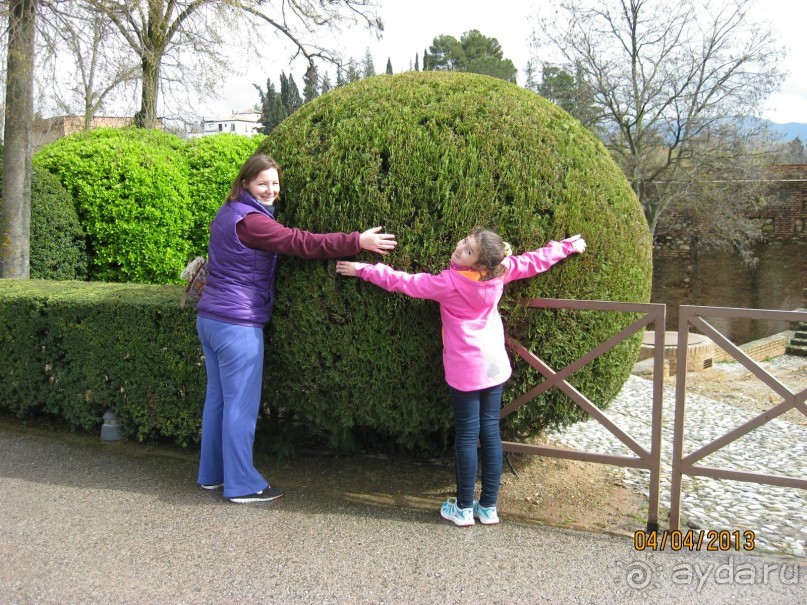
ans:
(790, 130)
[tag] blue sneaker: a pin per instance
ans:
(458, 516)
(486, 514)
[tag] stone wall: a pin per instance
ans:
(784, 218)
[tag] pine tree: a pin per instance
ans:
(340, 77)
(426, 66)
(417, 63)
(389, 66)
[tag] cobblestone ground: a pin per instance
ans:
(719, 400)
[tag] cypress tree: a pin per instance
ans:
(310, 81)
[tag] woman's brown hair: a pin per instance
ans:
(252, 168)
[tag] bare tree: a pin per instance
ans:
(3, 61)
(99, 65)
(15, 218)
(169, 35)
(675, 85)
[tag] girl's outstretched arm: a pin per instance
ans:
(531, 263)
(416, 285)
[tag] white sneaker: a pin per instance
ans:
(486, 514)
(462, 517)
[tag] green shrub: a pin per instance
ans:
(75, 349)
(213, 163)
(130, 187)
(57, 246)
(429, 156)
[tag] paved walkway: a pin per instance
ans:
(86, 522)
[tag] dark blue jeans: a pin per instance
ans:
(476, 417)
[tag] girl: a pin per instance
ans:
(474, 358)
(236, 304)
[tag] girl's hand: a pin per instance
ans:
(577, 243)
(377, 242)
(345, 267)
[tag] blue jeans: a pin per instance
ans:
(234, 364)
(476, 418)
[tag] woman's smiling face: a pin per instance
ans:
(265, 187)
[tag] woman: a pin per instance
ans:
(245, 240)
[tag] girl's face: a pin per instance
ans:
(466, 253)
(265, 187)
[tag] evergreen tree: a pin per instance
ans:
(289, 93)
(417, 63)
(529, 73)
(340, 77)
(389, 66)
(473, 53)
(325, 85)
(353, 73)
(369, 67)
(310, 83)
(272, 110)
(569, 92)
(426, 61)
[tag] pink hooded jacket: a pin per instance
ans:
(474, 356)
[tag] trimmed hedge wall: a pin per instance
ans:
(75, 349)
(429, 156)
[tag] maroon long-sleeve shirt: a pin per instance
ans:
(263, 233)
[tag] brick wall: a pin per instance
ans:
(47, 130)
(759, 350)
(783, 218)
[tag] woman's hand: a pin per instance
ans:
(377, 242)
(345, 267)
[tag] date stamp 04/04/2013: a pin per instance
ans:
(712, 540)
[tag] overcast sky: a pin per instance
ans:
(412, 25)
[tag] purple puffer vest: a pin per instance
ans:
(241, 281)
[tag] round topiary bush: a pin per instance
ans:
(57, 245)
(430, 156)
(213, 163)
(130, 187)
